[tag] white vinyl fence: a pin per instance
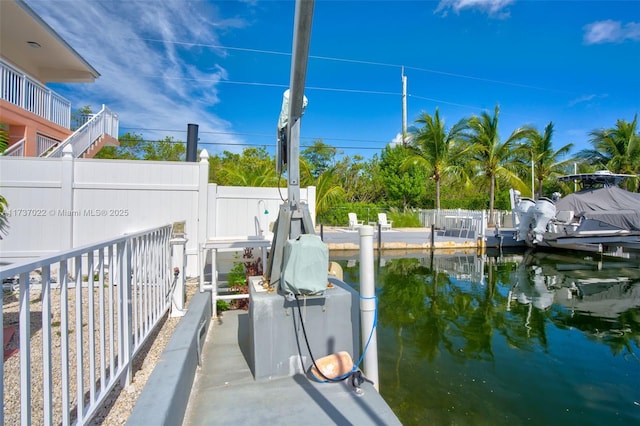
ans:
(81, 317)
(59, 203)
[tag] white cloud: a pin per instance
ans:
(610, 31)
(397, 140)
(149, 75)
(493, 8)
(585, 98)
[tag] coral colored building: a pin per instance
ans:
(37, 119)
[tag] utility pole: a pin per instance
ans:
(404, 108)
(533, 178)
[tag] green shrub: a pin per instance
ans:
(404, 220)
(222, 305)
(237, 275)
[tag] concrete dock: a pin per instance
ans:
(338, 238)
(225, 392)
(222, 390)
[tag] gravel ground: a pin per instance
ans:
(119, 403)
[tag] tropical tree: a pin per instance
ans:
(320, 157)
(546, 163)
(254, 167)
(617, 149)
(131, 147)
(403, 186)
(81, 116)
(167, 149)
(328, 192)
(436, 149)
(360, 179)
(493, 158)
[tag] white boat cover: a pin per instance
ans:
(612, 205)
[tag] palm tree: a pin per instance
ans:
(616, 149)
(253, 168)
(328, 192)
(434, 149)
(493, 158)
(545, 159)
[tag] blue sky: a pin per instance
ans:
(224, 65)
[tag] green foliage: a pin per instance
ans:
(407, 219)
(437, 150)
(254, 167)
(167, 149)
(237, 275)
(320, 157)
(4, 136)
(80, 116)
(616, 149)
(360, 179)
(328, 192)
(4, 220)
(131, 148)
(222, 305)
(134, 147)
(338, 215)
(404, 185)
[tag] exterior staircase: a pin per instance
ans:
(100, 130)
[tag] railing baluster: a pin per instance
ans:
(25, 348)
(92, 329)
(47, 382)
(79, 340)
(103, 354)
(112, 271)
(64, 341)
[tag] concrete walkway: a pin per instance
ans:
(338, 238)
(225, 393)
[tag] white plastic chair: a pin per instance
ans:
(354, 223)
(383, 222)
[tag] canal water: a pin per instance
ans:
(507, 339)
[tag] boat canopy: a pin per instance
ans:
(611, 205)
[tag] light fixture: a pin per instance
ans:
(33, 44)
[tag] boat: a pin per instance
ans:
(599, 216)
(598, 286)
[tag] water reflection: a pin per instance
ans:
(468, 339)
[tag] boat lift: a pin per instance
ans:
(294, 218)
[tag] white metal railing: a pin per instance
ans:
(15, 150)
(104, 122)
(44, 144)
(82, 316)
(19, 89)
(467, 223)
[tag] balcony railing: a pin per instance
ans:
(81, 316)
(15, 150)
(19, 89)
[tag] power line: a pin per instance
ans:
(363, 62)
(265, 135)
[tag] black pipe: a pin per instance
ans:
(192, 143)
(433, 234)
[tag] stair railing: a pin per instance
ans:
(104, 122)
